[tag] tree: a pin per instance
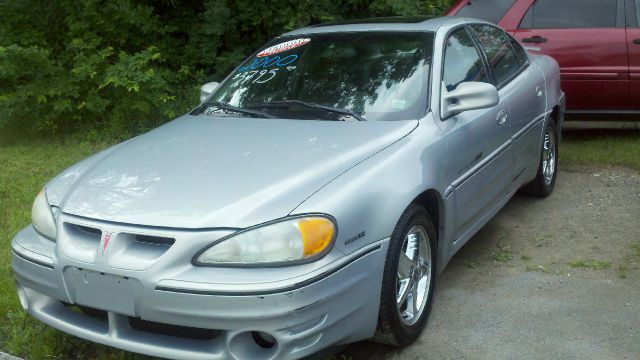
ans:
(120, 67)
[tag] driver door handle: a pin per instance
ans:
(502, 117)
(636, 41)
(535, 40)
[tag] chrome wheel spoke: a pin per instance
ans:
(413, 275)
(404, 291)
(549, 156)
(405, 265)
(414, 301)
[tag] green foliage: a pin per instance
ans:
(601, 147)
(119, 67)
(590, 264)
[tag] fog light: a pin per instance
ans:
(22, 295)
(253, 345)
(263, 339)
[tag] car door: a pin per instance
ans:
(480, 158)
(587, 38)
(633, 40)
(522, 86)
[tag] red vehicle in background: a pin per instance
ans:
(596, 43)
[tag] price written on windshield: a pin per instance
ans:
(264, 69)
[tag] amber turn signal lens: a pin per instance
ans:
(317, 234)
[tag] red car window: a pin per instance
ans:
(567, 14)
(488, 10)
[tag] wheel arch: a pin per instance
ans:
(434, 204)
(557, 114)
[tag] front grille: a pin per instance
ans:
(153, 240)
(88, 311)
(137, 323)
(85, 232)
(173, 330)
(80, 242)
(89, 231)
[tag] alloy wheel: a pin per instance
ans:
(414, 275)
(549, 156)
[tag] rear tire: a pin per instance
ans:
(409, 278)
(544, 183)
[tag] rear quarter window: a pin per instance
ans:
(488, 10)
(521, 53)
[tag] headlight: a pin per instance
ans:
(42, 217)
(290, 240)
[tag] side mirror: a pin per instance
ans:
(468, 96)
(207, 89)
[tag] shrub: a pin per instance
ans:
(120, 67)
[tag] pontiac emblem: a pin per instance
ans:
(105, 240)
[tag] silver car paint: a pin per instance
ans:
(303, 318)
(375, 172)
(468, 196)
(203, 172)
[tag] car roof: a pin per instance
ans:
(408, 23)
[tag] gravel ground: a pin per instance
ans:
(557, 278)
(5, 356)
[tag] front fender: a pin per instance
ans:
(368, 200)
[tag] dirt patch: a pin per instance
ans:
(551, 278)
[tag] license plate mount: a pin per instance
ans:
(103, 291)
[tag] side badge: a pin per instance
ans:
(359, 236)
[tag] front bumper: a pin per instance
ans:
(334, 303)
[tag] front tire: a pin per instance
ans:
(409, 278)
(544, 183)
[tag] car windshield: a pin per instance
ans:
(335, 76)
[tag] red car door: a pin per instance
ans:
(588, 39)
(633, 39)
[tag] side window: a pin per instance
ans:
(462, 62)
(502, 59)
(633, 13)
(567, 14)
(521, 53)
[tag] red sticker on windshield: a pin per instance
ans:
(285, 46)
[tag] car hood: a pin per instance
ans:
(204, 172)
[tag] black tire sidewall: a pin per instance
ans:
(405, 334)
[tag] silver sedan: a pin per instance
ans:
(309, 201)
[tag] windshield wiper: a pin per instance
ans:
(227, 107)
(332, 109)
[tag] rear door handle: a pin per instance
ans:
(535, 40)
(502, 117)
(636, 41)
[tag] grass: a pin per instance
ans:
(622, 271)
(502, 254)
(26, 167)
(600, 147)
(590, 264)
(538, 268)
(544, 241)
(636, 249)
